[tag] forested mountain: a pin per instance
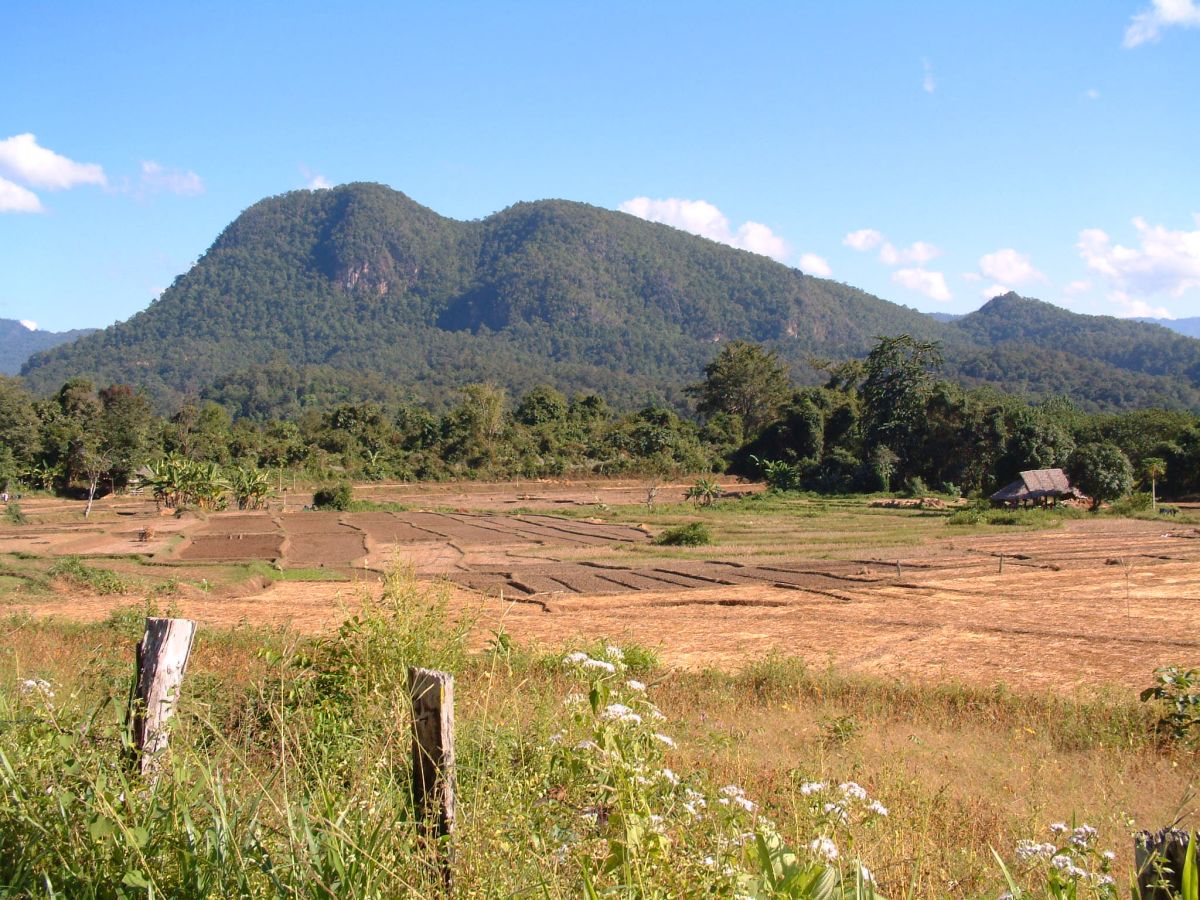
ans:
(359, 289)
(18, 343)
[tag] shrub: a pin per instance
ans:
(14, 514)
(1177, 691)
(334, 496)
(101, 581)
(1131, 505)
(694, 534)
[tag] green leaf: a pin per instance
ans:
(136, 879)
(1191, 879)
(100, 828)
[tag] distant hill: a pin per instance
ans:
(18, 343)
(1190, 327)
(361, 288)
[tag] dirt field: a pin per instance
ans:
(1097, 601)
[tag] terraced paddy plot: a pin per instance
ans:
(437, 541)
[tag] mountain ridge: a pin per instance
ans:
(18, 343)
(363, 278)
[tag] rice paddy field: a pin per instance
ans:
(978, 677)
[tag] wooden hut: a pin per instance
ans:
(1037, 487)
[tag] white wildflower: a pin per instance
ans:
(574, 659)
(744, 803)
(619, 712)
(556, 738)
(1031, 850)
(1059, 828)
(824, 848)
(665, 740)
(1083, 836)
(1102, 880)
(37, 686)
(852, 791)
(599, 664)
(708, 861)
(865, 874)
(612, 651)
(1109, 855)
(877, 808)
(812, 787)
(575, 700)
(836, 811)
(670, 777)
(732, 790)
(634, 685)
(587, 745)
(1062, 862)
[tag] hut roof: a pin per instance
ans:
(1035, 484)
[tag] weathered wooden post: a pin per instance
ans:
(434, 781)
(162, 657)
(1159, 859)
(1001, 563)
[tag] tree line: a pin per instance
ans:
(886, 422)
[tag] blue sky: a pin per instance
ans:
(927, 152)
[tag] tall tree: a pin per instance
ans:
(898, 380)
(1101, 471)
(746, 381)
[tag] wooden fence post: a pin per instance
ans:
(162, 657)
(1158, 858)
(434, 782)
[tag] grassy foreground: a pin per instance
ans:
(590, 772)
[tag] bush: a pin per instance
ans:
(334, 496)
(694, 534)
(14, 514)
(101, 581)
(1131, 505)
(1177, 691)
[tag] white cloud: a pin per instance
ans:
(995, 290)
(1148, 25)
(918, 253)
(21, 158)
(815, 265)
(864, 239)
(931, 284)
(157, 178)
(1075, 288)
(971, 276)
(319, 183)
(14, 198)
(29, 324)
(1010, 267)
(702, 218)
(1092, 94)
(1131, 307)
(928, 85)
(1166, 262)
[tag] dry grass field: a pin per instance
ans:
(1082, 602)
(980, 678)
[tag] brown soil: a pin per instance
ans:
(1099, 601)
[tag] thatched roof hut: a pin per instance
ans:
(1040, 487)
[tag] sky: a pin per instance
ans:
(932, 153)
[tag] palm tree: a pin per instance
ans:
(1154, 468)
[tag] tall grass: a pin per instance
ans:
(288, 771)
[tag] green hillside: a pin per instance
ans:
(363, 290)
(18, 343)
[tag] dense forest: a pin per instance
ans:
(359, 293)
(18, 343)
(888, 422)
